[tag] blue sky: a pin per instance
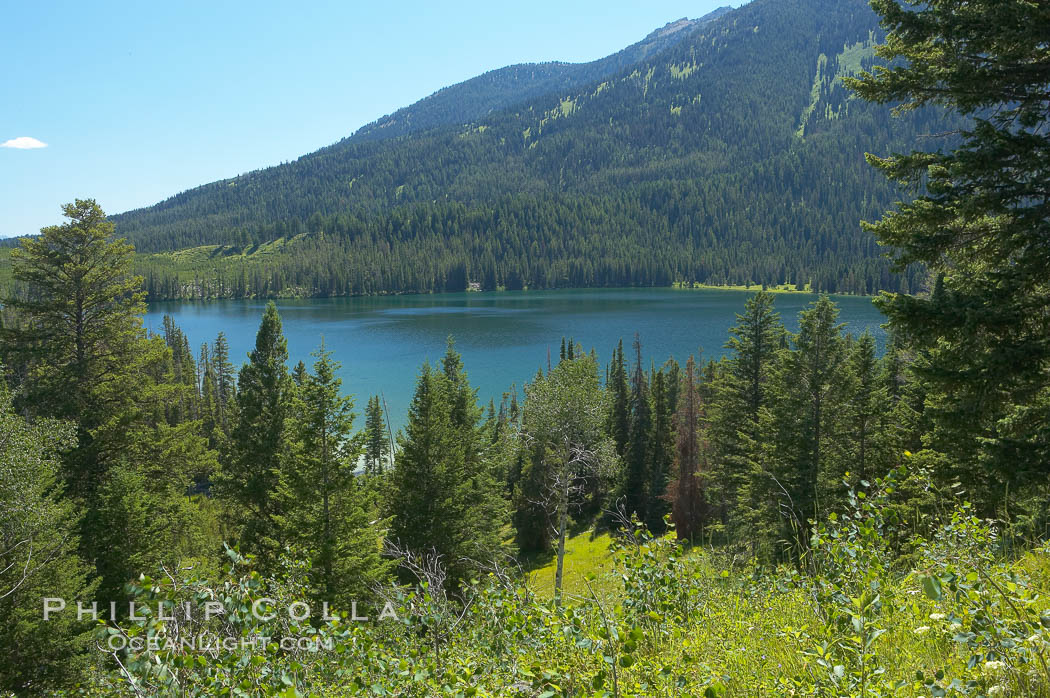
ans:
(137, 101)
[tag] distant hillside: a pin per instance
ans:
(507, 87)
(733, 156)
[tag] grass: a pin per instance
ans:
(778, 288)
(698, 623)
(206, 253)
(755, 638)
(822, 64)
(585, 555)
(758, 637)
(853, 56)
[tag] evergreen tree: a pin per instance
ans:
(488, 518)
(299, 375)
(184, 373)
(754, 342)
(620, 420)
(672, 384)
(808, 412)
(662, 444)
(225, 383)
(86, 356)
(143, 514)
(259, 445)
(868, 414)
(741, 394)
(208, 408)
(979, 227)
(906, 395)
(143, 517)
(377, 447)
(634, 488)
(323, 510)
(430, 500)
(78, 331)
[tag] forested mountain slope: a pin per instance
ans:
(507, 87)
(733, 156)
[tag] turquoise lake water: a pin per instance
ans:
(504, 337)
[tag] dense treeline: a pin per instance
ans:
(663, 235)
(733, 156)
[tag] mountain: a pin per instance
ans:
(507, 87)
(733, 155)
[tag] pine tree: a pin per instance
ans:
(299, 374)
(906, 395)
(429, 503)
(377, 446)
(79, 331)
(636, 460)
(225, 383)
(808, 412)
(754, 342)
(88, 358)
(82, 309)
(324, 512)
(620, 419)
(672, 384)
(662, 444)
(526, 481)
(488, 519)
(979, 227)
(142, 518)
(208, 408)
(739, 397)
(259, 444)
(867, 413)
(184, 373)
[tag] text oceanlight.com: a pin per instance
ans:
(212, 643)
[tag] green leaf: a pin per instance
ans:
(931, 585)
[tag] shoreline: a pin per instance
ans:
(781, 289)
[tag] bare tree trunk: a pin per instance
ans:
(563, 518)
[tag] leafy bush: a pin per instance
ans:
(855, 618)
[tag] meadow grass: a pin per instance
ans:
(777, 288)
(586, 555)
(756, 638)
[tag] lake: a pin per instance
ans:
(504, 337)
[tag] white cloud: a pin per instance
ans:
(23, 143)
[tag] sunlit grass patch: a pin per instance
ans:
(585, 555)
